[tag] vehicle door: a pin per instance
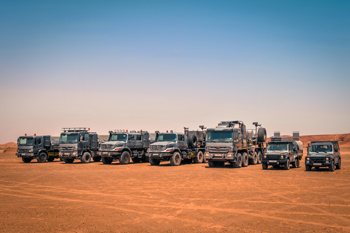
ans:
(84, 139)
(181, 142)
(138, 141)
(38, 142)
(131, 141)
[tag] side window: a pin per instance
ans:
(235, 135)
(38, 141)
(181, 137)
(138, 137)
(86, 137)
(131, 137)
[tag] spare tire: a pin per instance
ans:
(192, 141)
(261, 135)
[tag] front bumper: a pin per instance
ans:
(159, 155)
(220, 156)
(68, 154)
(109, 153)
(25, 155)
(318, 162)
(274, 161)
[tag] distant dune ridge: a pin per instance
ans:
(344, 140)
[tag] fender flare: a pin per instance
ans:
(43, 150)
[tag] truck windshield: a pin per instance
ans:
(278, 147)
(69, 138)
(166, 138)
(320, 148)
(219, 136)
(25, 141)
(118, 137)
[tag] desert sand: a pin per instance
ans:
(94, 197)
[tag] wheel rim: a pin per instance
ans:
(177, 158)
(200, 156)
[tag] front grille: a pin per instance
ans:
(157, 148)
(317, 159)
(67, 148)
(273, 157)
(107, 146)
(218, 149)
(23, 150)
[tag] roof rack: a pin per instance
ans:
(280, 139)
(76, 129)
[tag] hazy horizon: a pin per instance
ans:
(167, 65)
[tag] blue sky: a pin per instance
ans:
(160, 65)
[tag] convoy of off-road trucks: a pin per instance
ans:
(229, 142)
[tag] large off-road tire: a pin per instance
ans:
(107, 160)
(42, 157)
(125, 158)
(331, 167)
(50, 159)
(254, 159)
(135, 160)
(211, 163)
(296, 163)
(238, 163)
(175, 159)
(307, 167)
(154, 162)
(204, 159)
(26, 160)
(199, 158)
(97, 158)
(261, 135)
(287, 165)
(259, 157)
(86, 157)
(265, 166)
(192, 142)
(221, 164)
(245, 159)
(339, 163)
(145, 159)
(68, 160)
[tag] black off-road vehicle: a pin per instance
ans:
(323, 154)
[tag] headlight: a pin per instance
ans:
(282, 156)
(265, 156)
(327, 158)
(117, 148)
(307, 158)
(169, 149)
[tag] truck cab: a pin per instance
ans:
(123, 145)
(78, 143)
(231, 142)
(178, 147)
(42, 148)
(323, 154)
